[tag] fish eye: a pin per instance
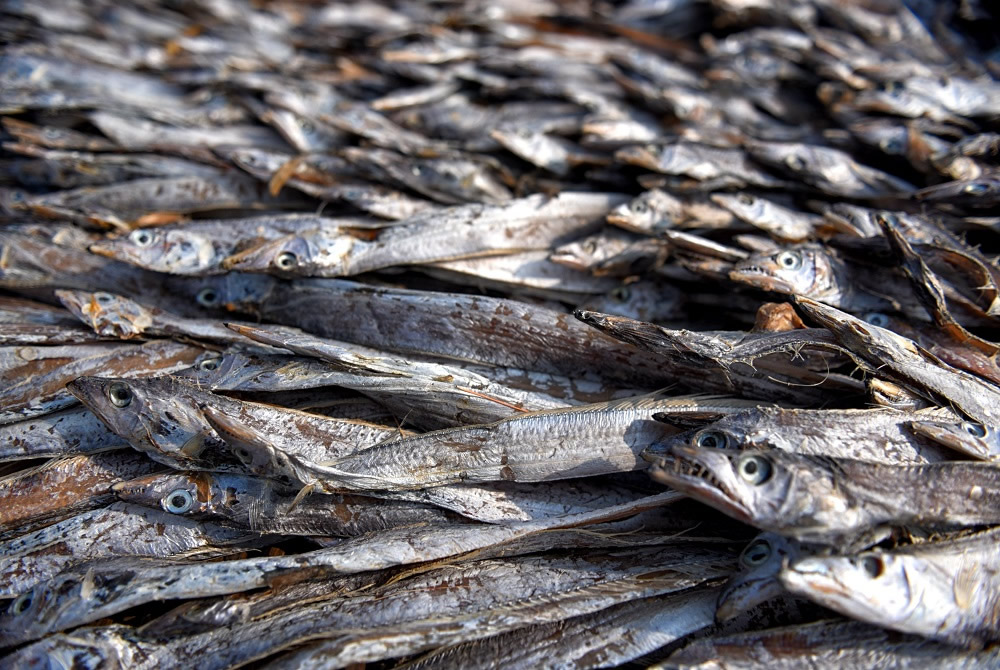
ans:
(305, 125)
(754, 469)
(245, 456)
(622, 293)
(975, 188)
(745, 198)
(120, 394)
(877, 319)
(103, 298)
(974, 429)
(207, 297)
(873, 565)
(756, 553)
(286, 260)
(416, 171)
(891, 145)
(142, 238)
(178, 501)
(795, 162)
(639, 207)
(711, 439)
(590, 246)
(249, 159)
(789, 260)
(210, 364)
(22, 603)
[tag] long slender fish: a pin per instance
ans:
(64, 487)
(879, 435)
(72, 599)
(116, 530)
(828, 500)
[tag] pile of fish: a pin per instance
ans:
(514, 334)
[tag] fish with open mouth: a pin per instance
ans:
(828, 500)
(944, 590)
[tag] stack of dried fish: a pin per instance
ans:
(352, 333)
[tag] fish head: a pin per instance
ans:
(187, 494)
(800, 270)
(173, 251)
(234, 292)
(643, 213)
(757, 579)
(307, 255)
(872, 586)
(648, 156)
(151, 418)
(747, 206)
(641, 300)
(711, 436)
(108, 314)
(973, 439)
(749, 486)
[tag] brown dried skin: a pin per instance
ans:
(259, 505)
(438, 394)
(875, 435)
(943, 590)
(34, 382)
(941, 345)
(731, 362)
(832, 500)
(64, 487)
(477, 329)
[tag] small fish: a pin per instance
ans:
(830, 170)
(783, 224)
(529, 223)
(703, 163)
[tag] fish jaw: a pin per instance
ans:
(707, 476)
(955, 438)
(736, 598)
(841, 583)
(759, 276)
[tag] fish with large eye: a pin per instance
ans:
(756, 554)
(710, 439)
(789, 260)
(120, 395)
(178, 501)
(141, 238)
(753, 469)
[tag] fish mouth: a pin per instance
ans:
(952, 438)
(741, 596)
(760, 277)
(683, 469)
